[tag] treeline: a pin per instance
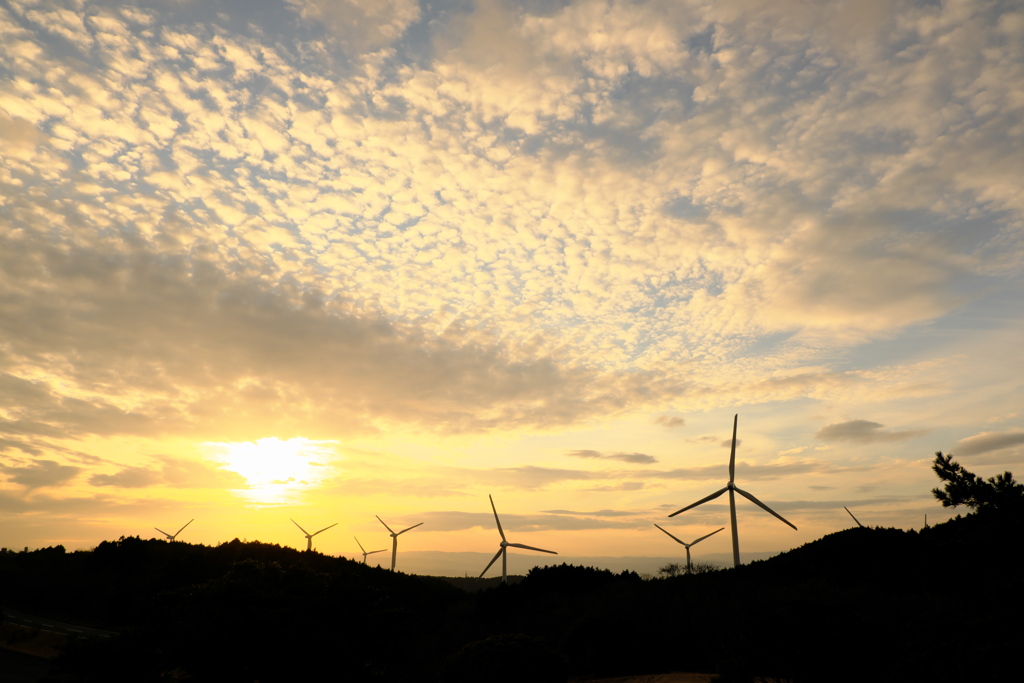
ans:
(942, 604)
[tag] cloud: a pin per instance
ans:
(746, 471)
(40, 473)
(489, 217)
(635, 458)
(531, 477)
(596, 513)
(988, 441)
(361, 25)
(129, 478)
(670, 421)
(512, 523)
(174, 472)
(864, 431)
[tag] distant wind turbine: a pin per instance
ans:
(854, 518)
(171, 537)
(733, 490)
(365, 552)
(689, 570)
(309, 536)
(394, 539)
(505, 545)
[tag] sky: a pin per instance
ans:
(300, 259)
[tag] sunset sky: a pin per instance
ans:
(326, 260)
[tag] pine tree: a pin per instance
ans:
(996, 494)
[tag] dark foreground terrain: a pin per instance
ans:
(943, 604)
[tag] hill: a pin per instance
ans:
(861, 604)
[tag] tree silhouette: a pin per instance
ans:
(996, 494)
(672, 569)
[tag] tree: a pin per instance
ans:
(996, 494)
(671, 569)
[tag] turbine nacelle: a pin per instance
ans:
(504, 546)
(174, 536)
(309, 536)
(394, 539)
(732, 489)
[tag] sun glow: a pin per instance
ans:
(277, 471)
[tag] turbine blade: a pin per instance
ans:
(359, 544)
(325, 529)
(501, 532)
(714, 495)
(376, 551)
(854, 518)
(186, 524)
(764, 507)
(409, 529)
(493, 560)
(732, 455)
(300, 528)
(703, 537)
(163, 532)
(382, 522)
(530, 547)
(671, 536)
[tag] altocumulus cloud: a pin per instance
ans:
(335, 217)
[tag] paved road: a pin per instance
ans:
(32, 621)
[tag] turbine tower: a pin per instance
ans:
(394, 539)
(365, 552)
(309, 536)
(733, 490)
(689, 570)
(171, 537)
(854, 518)
(505, 545)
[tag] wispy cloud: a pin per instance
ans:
(635, 458)
(988, 441)
(864, 431)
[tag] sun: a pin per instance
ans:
(277, 471)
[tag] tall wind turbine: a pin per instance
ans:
(733, 490)
(505, 545)
(689, 570)
(394, 539)
(854, 518)
(365, 552)
(171, 537)
(309, 536)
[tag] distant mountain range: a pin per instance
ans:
(436, 563)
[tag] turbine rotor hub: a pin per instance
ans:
(504, 544)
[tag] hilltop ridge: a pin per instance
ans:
(242, 610)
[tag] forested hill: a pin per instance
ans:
(942, 604)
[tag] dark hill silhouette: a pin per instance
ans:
(942, 604)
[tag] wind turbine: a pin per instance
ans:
(854, 518)
(733, 490)
(505, 545)
(171, 537)
(365, 553)
(394, 539)
(309, 536)
(687, 545)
